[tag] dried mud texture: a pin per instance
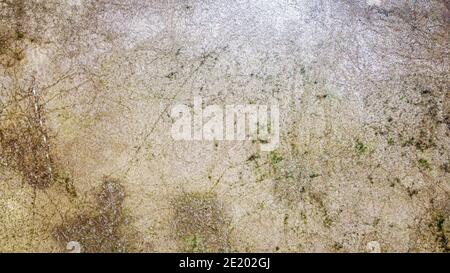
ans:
(200, 223)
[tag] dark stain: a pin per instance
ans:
(100, 230)
(200, 223)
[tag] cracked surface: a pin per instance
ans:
(363, 88)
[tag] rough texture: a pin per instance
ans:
(99, 230)
(200, 223)
(86, 89)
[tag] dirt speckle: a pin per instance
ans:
(103, 229)
(200, 223)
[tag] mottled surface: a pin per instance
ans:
(86, 89)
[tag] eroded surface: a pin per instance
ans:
(86, 90)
